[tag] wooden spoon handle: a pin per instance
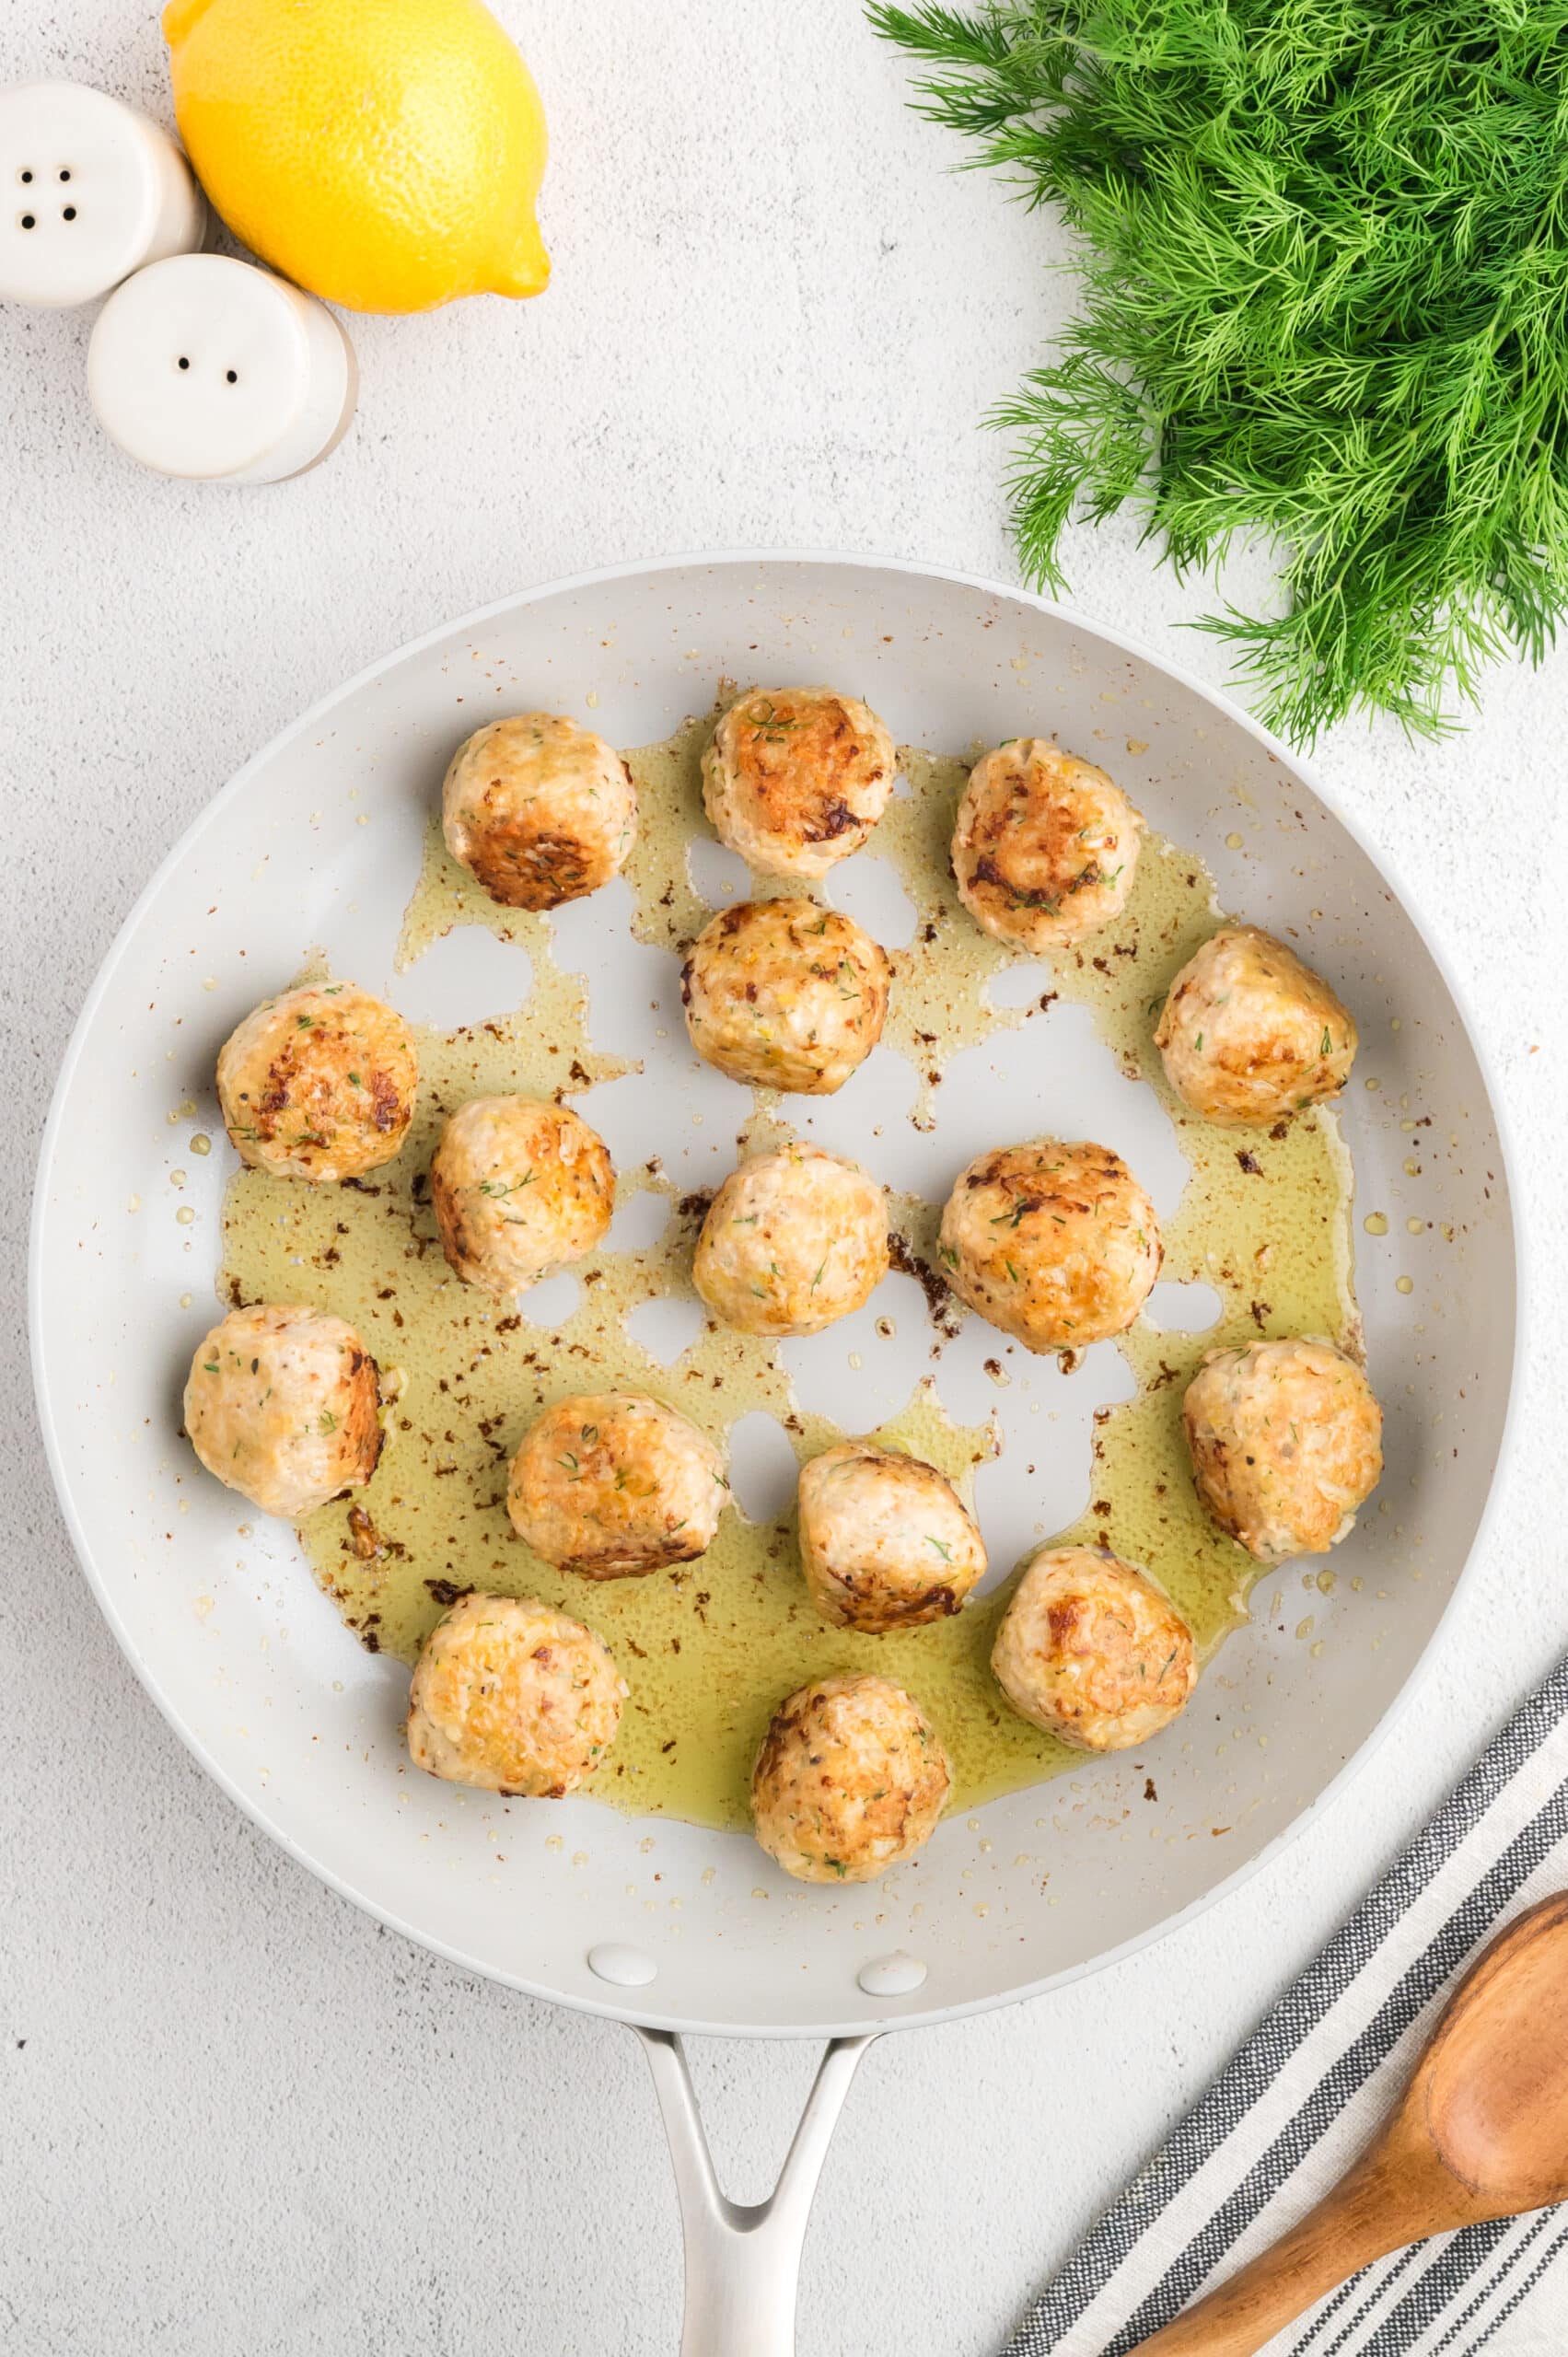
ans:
(1243, 2314)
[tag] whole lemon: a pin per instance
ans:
(384, 153)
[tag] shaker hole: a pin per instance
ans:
(28, 222)
(65, 176)
(69, 214)
(26, 177)
(183, 362)
(232, 377)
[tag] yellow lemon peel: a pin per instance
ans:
(386, 155)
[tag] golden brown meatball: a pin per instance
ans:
(786, 995)
(792, 1241)
(1249, 1034)
(1287, 1441)
(851, 1778)
(513, 1697)
(1045, 847)
(612, 1483)
(1092, 1651)
(1055, 1244)
(796, 778)
(520, 1187)
(539, 810)
(886, 1541)
(319, 1083)
(282, 1403)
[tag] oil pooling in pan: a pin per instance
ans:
(709, 1649)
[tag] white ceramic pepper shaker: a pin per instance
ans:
(90, 192)
(217, 371)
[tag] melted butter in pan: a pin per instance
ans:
(709, 1649)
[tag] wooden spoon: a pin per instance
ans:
(1482, 2132)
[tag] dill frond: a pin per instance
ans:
(1325, 305)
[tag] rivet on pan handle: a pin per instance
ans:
(743, 2261)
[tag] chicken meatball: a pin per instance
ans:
(539, 810)
(512, 1696)
(519, 1188)
(319, 1083)
(1249, 1034)
(1057, 1245)
(792, 1241)
(796, 778)
(612, 1483)
(284, 1404)
(885, 1542)
(1045, 847)
(1092, 1651)
(851, 1778)
(786, 995)
(1287, 1440)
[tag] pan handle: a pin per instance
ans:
(743, 2261)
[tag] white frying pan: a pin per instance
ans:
(661, 1924)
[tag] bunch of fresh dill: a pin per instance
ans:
(1325, 303)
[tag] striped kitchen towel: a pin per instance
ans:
(1306, 2093)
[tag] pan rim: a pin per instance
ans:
(636, 2016)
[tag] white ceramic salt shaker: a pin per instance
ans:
(217, 371)
(90, 192)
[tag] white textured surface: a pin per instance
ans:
(239, 2115)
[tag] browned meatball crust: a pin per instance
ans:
(796, 778)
